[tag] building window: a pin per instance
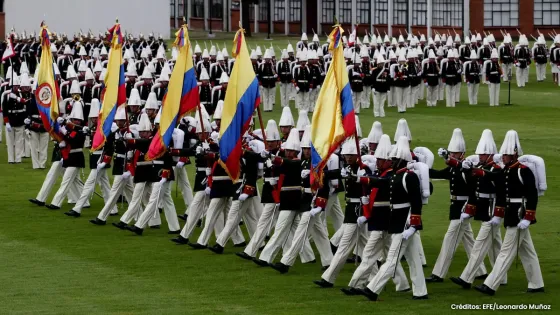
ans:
(328, 11)
(197, 8)
(172, 8)
(345, 11)
(447, 13)
(263, 10)
(295, 10)
(279, 10)
(547, 12)
(400, 12)
(381, 11)
(419, 12)
(216, 9)
(363, 11)
(501, 12)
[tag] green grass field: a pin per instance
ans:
(53, 264)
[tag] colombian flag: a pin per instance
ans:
(180, 98)
(333, 120)
(114, 94)
(242, 97)
(47, 93)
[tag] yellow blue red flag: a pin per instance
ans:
(241, 100)
(333, 119)
(47, 93)
(180, 98)
(114, 94)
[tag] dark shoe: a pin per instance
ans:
(311, 262)
(199, 223)
(261, 249)
(53, 207)
(323, 283)
(481, 277)
(86, 207)
(405, 290)
(242, 244)
(351, 291)
(135, 229)
(423, 297)
(434, 278)
(155, 227)
(261, 263)
(72, 213)
(325, 268)
(37, 202)
(183, 217)
(174, 232)
(460, 282)
(352, 260)
(121, 225)
(196, 246)
(425, 265)
(267, 238)
(244, 256)
(333, 248)
(241, 223)
(537, 290)
(160, 210)
(122, 199)
(113, 214)
(180, 240)
(369, 294)
(97, 221)
(379, 264)
(217, 249)
(280, 267)
(485, 289)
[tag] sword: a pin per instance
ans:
(81, 182)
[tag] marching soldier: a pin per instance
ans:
(522, 57)
(204, 63)
(317, 77)
(414, 76)
(285, 77)
(381, 86)
(368, 78)
(506, 58)
(493, 74)
(555, 59)
(219, 92)
(356, 79)
(204, 89)
(451, 76)
(267, 79)
(541, 59)
(472, 72)
(302, 82)
(430, 73)
(39, 138)
(15, 112)
(401, 83)
(217, 69)
(134, 104)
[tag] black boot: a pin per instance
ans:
(325, 268)
(155, 227)
(242, 244)
(485, 289)
(53, 207)
(537, 290)
(197, 246)
(37, 202)
(369, 294)
(280, 267)
(183, 217)
(460, 282)
(174, 232)
(217, 249)
(323, 283)
(199, 223)
(481, 277)
(72, 213)
(351, 291)
(135, 229)
(423, 297)
(260, 262)
(244, 256)
(121, 225)
(180, 240)
(434, 278)
(97, 221)
(333, 248)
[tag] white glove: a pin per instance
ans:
(464, 216)
(268, 163)
(467, 164)
(297, 89)
(524, 224)
(208, 171)
(207, 190)
(359, 175)
(125, 175)
(273, 181)
(62, 130)
(408, 233)
(60, 120)
(364, 200)
(8, 127)
(243, 197)
(129, 155)
(62, 144)
(305, 173)
(27, 121)
(27, 133)
(128, 136)
(180, 164)
(426, 84)
(264, 154)
(199, 150)
(101, 165)
(442, 152)
(85, 130)
(495, 220)
(163, 180)
(205, 146)
(343, 173)
(361, 220)
(410, 165)
(315, 211)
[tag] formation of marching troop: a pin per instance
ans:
(384, 184)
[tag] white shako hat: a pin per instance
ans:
(384, 148)
(402, 130)
(286, 119)
(272, 133)
(402, 150)
(457, 142)
(375, 133)
(293, 143)
(486, 144)
(511, 144)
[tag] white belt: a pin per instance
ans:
(494, 72)
(432, 75)
(16, 111)
(270, 77)
(215, 178)
(400, 205)
(96, 153)
(35, 116)
(291, 188)
(459, 198)
(382, 204)
(302, 81)
(122, 156)
(487, 196)
(269, 179)
(201, 169)
(514, 200)
(76, 150)
(353, 200)
(307, 190)
(450, 75)
(150, 163)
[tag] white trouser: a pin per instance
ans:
(196, 210)
(541, 71)
(334, 211)
(379, 104)
(55, 171)
(238, 210)
(488, 241)
(318, 230)
(400, 98)
(95, 177)
(70, 178)
(432, 95)
(378, 243)
(141, 194)
(357, 101)
(514, 240)
(456, 232)
(27, 144)
(352, 234)
(2, 125)
(366, 97)
(458, 92)
(506, 70)
(120, 186)
(263, 228)
(400, 247)
(302, 100)
(285, 90)
(420, 247)
(450, 91)
(214, 217)
(421, 90)
(441, 90)
(39, 144)
(520, 76)
(313, 95)
(268, 95)
(184, 185)
(494, 91)
(15, 143)
(391, 97)
(287, 220)
(413, 96)
(472, 91)
(163, 193)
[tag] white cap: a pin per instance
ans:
(71, 73)
(197, 49)
(306, 138)
(286, 119)
(384, 148)
(303, 120)
(75, 88)
(164, 77)
(103, 51)
(205, 53)
(290, 48)
(224, 78)
(220, 56)
(23, 68)
(256, 146)
(131, 70)
(303, 36)
(94, 108)
(494, 54)
(144, 123)
(146, 74)
(82, 67)
(293, 143)
(511, 144)
(98, 67)
(380, 58)
(315, 37)
(225, 53)
(478, 37)
(24, 80)
(213, 51)
(204, 74)
(267, 54)
(134, 98)
(120, 114)
(151, 102)
(392, 54)
(259, 51)
(402, 130)
(375, 133)
(431, 54)
(67, 50)
(402, 150)
(285, 54)
(486, 144)
(349, 146)
(364, 53)
(89, 74)
(457, 142)
(473, 55)
(253, 55)
(77, 111)
(272, 133)
(218, 110)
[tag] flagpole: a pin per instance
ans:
(261, 122)
(203, 136)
